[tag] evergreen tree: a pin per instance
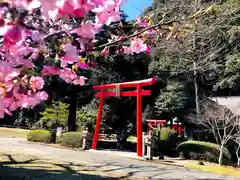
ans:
(194, 53)
(56, 114)
(171, 100)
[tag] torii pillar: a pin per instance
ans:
(139, 92)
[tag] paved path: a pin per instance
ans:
(106, 162)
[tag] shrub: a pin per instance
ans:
(167, 141)
(71, 139)
(200, 150)
(40, 136)
(167, 134)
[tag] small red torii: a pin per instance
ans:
(139, 92)
(177, 126)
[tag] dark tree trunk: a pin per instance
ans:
(72, 112)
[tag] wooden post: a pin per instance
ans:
(99, 118)
(139, 121)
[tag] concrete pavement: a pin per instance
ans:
(108, 163)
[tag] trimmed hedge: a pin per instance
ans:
(167, 134)
(40, 136)
(200, 150)
(71, 139)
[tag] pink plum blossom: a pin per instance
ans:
(82, 65)
(30, 101)
(80, 80)
(108, 12)
(11, 75)
(50, 70)
(137, 46)
(11, 103)
(104, 52)
(107, 18)
(67, 75)
(49, 9)
(12, 35)
(36, 83)
(87, 30)
(24, 81)
(71, 55)
(2, 109)
(36, 36)
(63, 64)
(26, 4)
(20, 90)
(15, 55)
(42, 95)
(80, 12)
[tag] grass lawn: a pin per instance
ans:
(214, 168)
(132, 139)
(13, 132)
(15, 166)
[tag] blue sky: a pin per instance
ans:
(134, 7)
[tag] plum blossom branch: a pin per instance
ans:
(41, 44)
(160, 23)
(198, 14)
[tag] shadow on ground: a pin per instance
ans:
(16, 167)
(11, 173)
(25, 167)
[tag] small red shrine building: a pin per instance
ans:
(177, 126)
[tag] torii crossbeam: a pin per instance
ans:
(139, 92)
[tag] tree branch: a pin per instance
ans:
(161, 23)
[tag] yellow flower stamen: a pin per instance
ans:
(74, 68)
(4, 90)
(145, 36)
(171, 28)
(42, 51)
(150, 22)
(82, 60)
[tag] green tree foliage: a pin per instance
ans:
(54, 115)
(86, 116)
(203, 47)
(23, 117)
(228, 80)
(171, 100)
(231, 75)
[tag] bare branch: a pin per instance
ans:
(219, 120)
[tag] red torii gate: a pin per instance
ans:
(139, 92)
